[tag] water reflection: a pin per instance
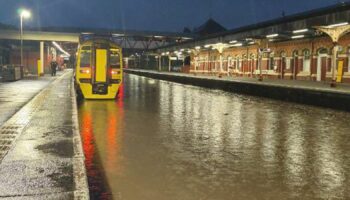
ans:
(100, 130)
(163, 140)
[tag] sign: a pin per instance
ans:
(340, 71)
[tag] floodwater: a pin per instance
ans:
(162, 140)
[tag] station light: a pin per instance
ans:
(301, 31)
(272, 35)
(265, 50)
(182, 50)
(298, 36)
(207, 46)
(163, 54)
(252, 42)
(60, 48)
(167, 53)
(197, 47)
(238, 45)
(337, 24)
(233, 41)
(188, 51)
(117, 34)
(24, 13)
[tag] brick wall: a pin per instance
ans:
(294, 65)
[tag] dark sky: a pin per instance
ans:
(156, 15)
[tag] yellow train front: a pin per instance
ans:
(99, 69)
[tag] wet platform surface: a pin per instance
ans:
(39, 158)
(14, 95)
(163, 140)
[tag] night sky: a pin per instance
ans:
(153, 15)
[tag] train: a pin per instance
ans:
(99, 70)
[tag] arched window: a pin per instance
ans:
(323, 59)
(251, 62)
(215, 64)
(306, 60)
(239, 63)
(283, 65)
(229, 61)
(283, 54)
(294, 60)
(244, 62)
(323, 51)
(252, 56)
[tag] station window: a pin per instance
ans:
(283, 60)
(114, 59)
(252, 56)
(251, 63)
(294, 61)
(229, 60)
(239, 63)
(234, 63)
(306, 60)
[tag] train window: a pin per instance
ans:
(85, 58)
(114, 59)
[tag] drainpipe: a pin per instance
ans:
(259, 66)
(312, 57)
(169, 69)
(159, 63)
(294, 66)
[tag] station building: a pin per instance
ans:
(297, 47)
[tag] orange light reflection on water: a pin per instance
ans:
(101, 125)
(87, 137)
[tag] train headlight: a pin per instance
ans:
(85, 71)
(113, 72)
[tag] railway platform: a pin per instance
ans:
(305, 92)
(41, 155)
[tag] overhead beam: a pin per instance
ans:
(39, 36)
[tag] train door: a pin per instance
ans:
(101, 66)
(321, 67)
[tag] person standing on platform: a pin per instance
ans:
(53, 68)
